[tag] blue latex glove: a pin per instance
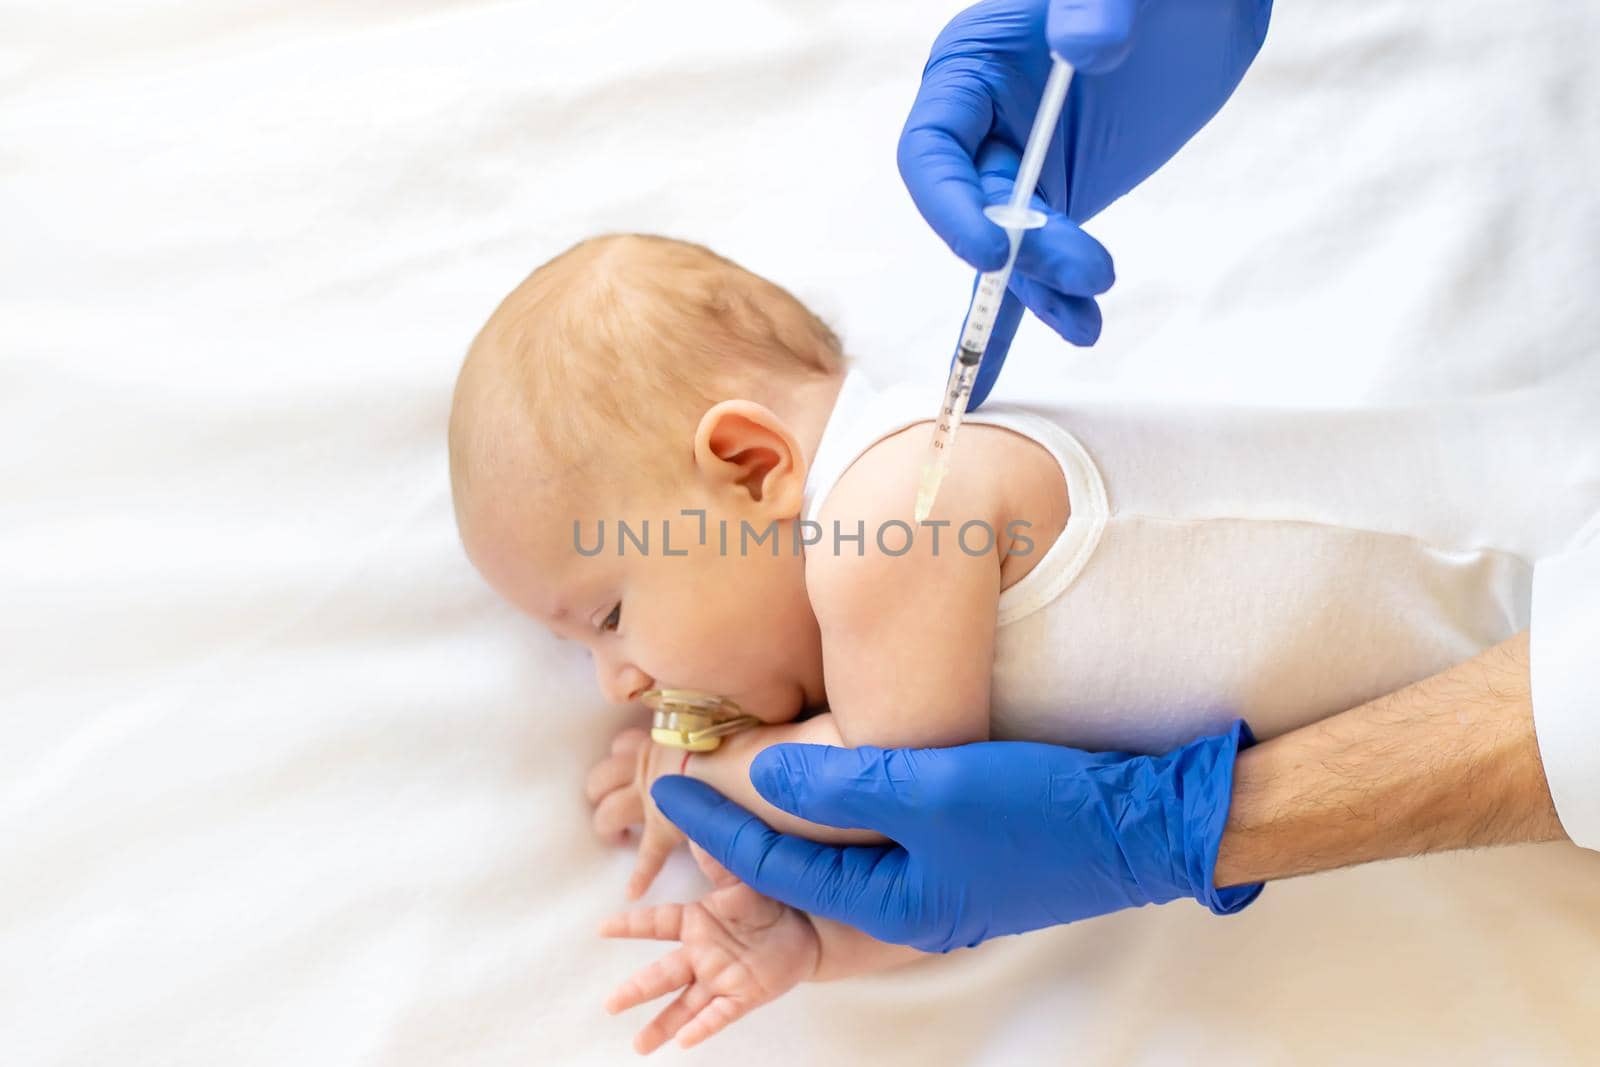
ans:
(1148, 75)
(993, 838)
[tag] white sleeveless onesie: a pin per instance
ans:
(1279, 565)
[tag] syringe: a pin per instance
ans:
(1015, 218)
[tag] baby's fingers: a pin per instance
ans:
(711, 1018)
(615, 813)
(720, 876)
(627, 742)
(617, 769)
(671, 1020)
(663, 922)
(610, 774)
(654, 848)
(657, 980)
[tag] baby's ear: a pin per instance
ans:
(743, 445)
(720, 876)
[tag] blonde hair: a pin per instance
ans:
(631, 336)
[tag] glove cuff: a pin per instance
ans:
(1205, 815)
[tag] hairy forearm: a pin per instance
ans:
(1450, 762)
(727, 770)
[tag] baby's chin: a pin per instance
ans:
(779, 704)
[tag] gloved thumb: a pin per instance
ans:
(1093, 35)
(791, 869)
(994, 357)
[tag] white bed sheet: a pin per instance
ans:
(282, 783)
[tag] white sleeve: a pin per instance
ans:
(1564, 672)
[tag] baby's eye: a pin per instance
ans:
(613, 620)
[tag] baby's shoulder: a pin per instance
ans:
(880, 487)
(870, 543)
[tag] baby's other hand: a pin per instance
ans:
(619, 789)
(612, 790)
(739, 950)
(659, 836)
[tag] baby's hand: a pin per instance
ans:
(611, 788)
(739, 950)
(619, 788)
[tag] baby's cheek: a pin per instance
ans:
(734, 629)
(684, 652)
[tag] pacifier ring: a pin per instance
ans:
(691, 720)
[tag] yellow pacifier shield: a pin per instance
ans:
(692, 720)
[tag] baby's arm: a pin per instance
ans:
(728, 771)
(844, 952)
(908, 634)
(908, 639)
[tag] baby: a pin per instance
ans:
(669, 459)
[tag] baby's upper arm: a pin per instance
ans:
(908, 612)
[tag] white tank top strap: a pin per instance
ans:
(862, 416)
(865, 414)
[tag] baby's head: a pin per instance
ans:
(622, 383)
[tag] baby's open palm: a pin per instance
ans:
(739, 950)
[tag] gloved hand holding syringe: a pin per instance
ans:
(1015, 218)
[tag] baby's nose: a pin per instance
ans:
(623, 685)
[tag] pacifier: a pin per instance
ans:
(692, 720)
